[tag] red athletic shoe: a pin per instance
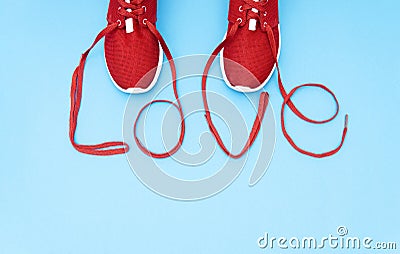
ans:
(248, 50)
(134, 52)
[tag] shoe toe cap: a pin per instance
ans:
(132, 59)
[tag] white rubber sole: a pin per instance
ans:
(245, 89)
(153, 82)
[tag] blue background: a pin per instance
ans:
(55, 200)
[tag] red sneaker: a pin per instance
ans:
(248, 51)
(134, 53)
(249, 54)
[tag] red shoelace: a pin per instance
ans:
(114, 148)
(249, 4)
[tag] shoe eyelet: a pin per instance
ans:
(265, 24)
(119, 22)
(119, 8)
(144, 8)
(241, 8)
(144, 22)
(265, 14)
(240, 20)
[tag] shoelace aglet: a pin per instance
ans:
(253, 22)
(129, 22)
(346, 121)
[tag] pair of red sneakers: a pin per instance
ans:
(134, 54)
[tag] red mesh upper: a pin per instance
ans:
(132, 56)
(250, 50)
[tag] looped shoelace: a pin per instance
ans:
(286, 96)
(287, 101)
(114, 148)
(177, 105)
(263, 103)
